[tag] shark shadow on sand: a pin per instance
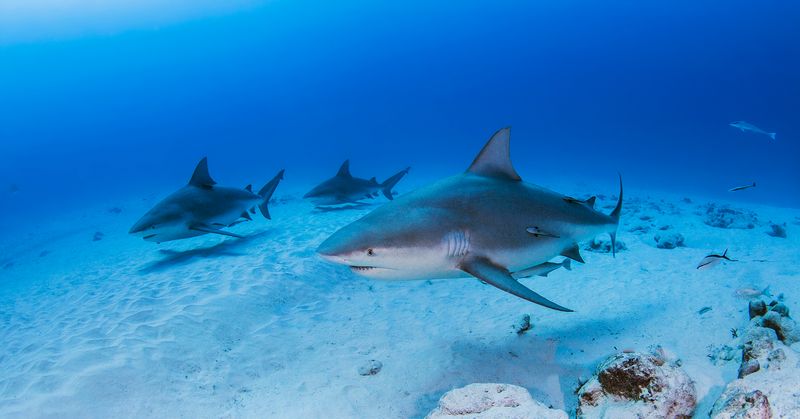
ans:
(224, 248)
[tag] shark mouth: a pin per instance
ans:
(149, 237)
(362, 268)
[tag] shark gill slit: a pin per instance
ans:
(458, 243)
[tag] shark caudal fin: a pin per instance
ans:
(389, 184)
(771, 135)
(615, 216)
(266, 193)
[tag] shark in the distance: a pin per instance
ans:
(344, 188)
(201, 207)
(485, 223)
(746, 126)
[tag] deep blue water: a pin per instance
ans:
(590, 88)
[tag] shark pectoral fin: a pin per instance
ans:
(499, 277)
(573, 253)
(212, 230)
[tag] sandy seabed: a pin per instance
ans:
(261, 327)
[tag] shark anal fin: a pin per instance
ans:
(500, 278)
(200, 177)
(573, 253)
(538, 232)
(212, 230)
(494, 160)
(246, 216)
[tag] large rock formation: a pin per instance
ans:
(637, 385)
(769, 374)
(492, 401)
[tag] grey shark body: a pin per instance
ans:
(201, 207)
(486, 223)
(345, 188)
(746, 126)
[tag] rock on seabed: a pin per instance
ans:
(492, 401)
(637, 385)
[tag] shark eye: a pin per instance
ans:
(370, 252)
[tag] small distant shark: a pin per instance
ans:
(201, 207)
(746, 126)
(741, 188)
(713, 260)
(346, 189)
(485, 223)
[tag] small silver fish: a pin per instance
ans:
(741, 188)
(713, 260)
(752, 292)
(746, 126)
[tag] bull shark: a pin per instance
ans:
(201, 207)
(746, 126)
(344, 188)
(484, 223)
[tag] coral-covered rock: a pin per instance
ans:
(725, 217)
(784, 326)
(669, 240)
(637, 385)
(769, 374)
(738, 403)
(492, 401)
(777, 230)
(603, 245)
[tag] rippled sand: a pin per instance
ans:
(260, 327)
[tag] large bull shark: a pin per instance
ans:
(485, 223)
(201, 207)
(345, 188)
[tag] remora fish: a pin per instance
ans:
(741, 188)
(344, 188)
(476, 224)
(746, 126)
(201, 207)
(714, 259)
(544, 269)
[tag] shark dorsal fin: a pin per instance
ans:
(344, 170)
(200, 177)
(373, 180)
(249, 188)
(494, 160)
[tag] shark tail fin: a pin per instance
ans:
(615, 216)
(266, 193)
(771, 135)
(389, 184)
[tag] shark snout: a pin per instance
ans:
(137, 228)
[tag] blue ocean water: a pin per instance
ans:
(112, 109)
(590, 88)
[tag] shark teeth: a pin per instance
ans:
(362, 268)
